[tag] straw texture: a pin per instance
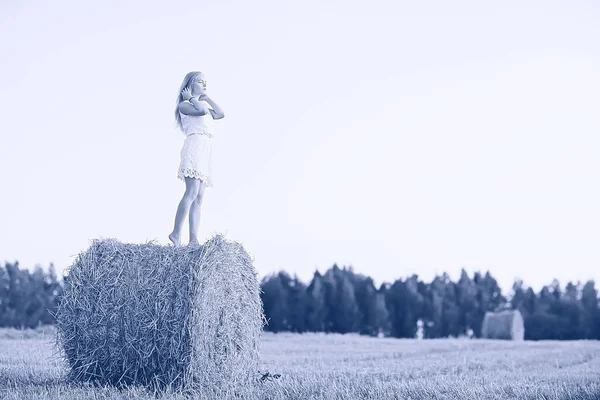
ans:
(507, 325)
(188, 318)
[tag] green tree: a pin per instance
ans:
(371, 305)
(518, 300)
(405, 306)
(467, 302)
(343, 310)
(591, 316)
(296, 304)
(274, 300)
(489, 298)
(317, 308)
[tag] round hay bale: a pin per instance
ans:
(507, 325)
(160, 316)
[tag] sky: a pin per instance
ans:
(396, 137)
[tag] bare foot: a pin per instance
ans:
(175, 239)
(194, 242)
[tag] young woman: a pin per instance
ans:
(194, 117)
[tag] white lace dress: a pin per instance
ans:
(196, 153)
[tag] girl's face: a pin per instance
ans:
(199, 85)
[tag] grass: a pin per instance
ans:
(316, 366)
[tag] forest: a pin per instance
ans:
(342, 301)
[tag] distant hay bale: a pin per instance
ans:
(507, 325)
(164, 317)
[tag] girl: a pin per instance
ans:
(194, 118)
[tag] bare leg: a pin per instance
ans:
(191, 192)
(195, 215)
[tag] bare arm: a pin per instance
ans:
(216, 112)
(193, 107)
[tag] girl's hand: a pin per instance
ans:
(186, 94)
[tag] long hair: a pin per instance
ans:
(186, 83)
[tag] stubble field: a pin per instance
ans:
(316, 366)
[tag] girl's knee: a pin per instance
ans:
(190, 195)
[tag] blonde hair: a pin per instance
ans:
(186, 83)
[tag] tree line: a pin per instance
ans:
(341, 301)
(26, 297)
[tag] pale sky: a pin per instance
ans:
(398, 137)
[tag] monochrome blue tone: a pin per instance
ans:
(396, 137)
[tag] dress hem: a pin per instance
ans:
(182, 175)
